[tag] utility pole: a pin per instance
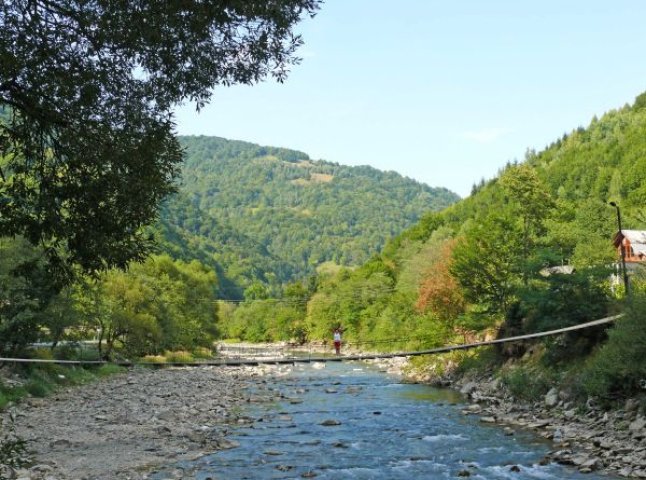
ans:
(623, 249)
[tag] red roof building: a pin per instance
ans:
(633, 243)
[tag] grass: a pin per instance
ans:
(527, 383)
(42, 380)
(479, 360)
(203, 353)
(179, 356)
(10, 395)
(155, 359)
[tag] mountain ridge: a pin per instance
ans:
(299, 212)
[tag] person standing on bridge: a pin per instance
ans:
(337, 340)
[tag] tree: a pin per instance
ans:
(88, 150)
(439, 291)
(26, 287)
(531, 203)
(485, 262)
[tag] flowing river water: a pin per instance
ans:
(377, 428)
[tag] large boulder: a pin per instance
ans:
(551, 399)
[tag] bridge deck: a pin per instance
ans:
(322, 358)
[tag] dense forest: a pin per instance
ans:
(270, 215)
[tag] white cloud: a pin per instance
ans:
(486, 135)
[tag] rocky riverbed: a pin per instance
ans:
(587, 438)
(126, 425)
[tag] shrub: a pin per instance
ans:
(38, 388)
(180, 356)
(618, 368)
(109, 369)
(481, 359)
(202, 353)
(13, 449)
(563, 301)
(42, 353)
(67, 351)
(527, 383)
(86, 354)
(74, 375)
(154, 359)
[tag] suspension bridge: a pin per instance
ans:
(285, 356)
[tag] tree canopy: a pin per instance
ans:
(86, 89)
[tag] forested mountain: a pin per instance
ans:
(186, 232)
(273, 214)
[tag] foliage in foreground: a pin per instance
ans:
(87, 146)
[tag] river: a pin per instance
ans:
(380, 428)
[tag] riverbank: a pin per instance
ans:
(126, 425)
(587, 437)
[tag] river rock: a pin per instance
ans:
(590, 465)
(226, 444)
(273, 453)
(631, 405)
(131, 421)
(473, 408)
(551, 398)
(637, 425)
(469, 388)
(330, 423)
(625, 472)
(569, 414)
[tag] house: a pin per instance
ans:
(633, 243)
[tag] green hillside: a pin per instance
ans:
(478, 267)
(272, 214)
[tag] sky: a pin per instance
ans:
(444, 92)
